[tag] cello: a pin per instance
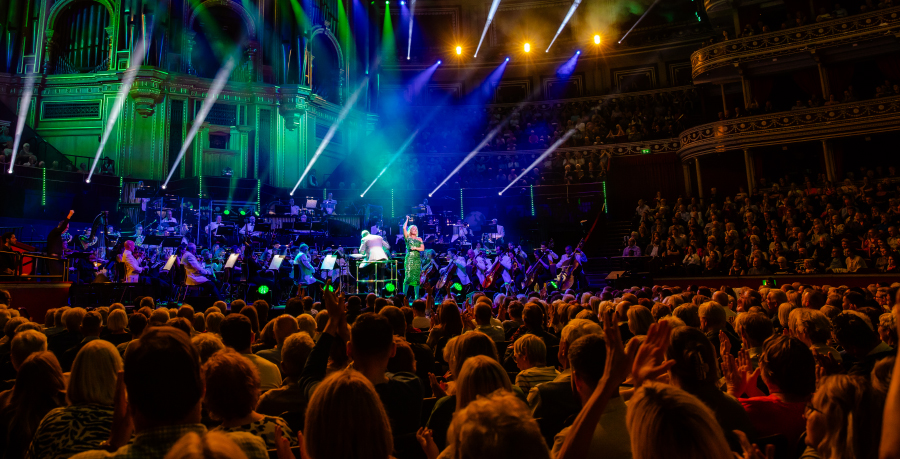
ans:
(493, 273)
(448, 274)
(566, 278)
(537, 268)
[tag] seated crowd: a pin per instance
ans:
(804, 371)
(779, 229)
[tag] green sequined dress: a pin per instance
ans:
(413, 265)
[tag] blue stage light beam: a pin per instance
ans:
(24, 105)
(568, 67)
(490, 18)
(478, 148)
(332, 130)
(550, 150)
(393, 158)
(412, 12)
(483, 93)
(214, 90)
(419, 81)
(136, 59)
(564, 22)
(638, 21)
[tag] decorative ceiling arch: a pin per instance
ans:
(60, 6)
(337, 46)
(235, 6)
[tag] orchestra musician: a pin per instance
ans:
(454, 258)
(304, 261)
(86, 241)
(55, 245)
(168, 223)
(480, 263)
(424, 208)
(461, 232)
(112, 233)
(568, 257)
(329, 205)
(247, 229)
(373, 248)
(499, 235)
(194, 272)
(185, 234)
(212, 227)
(133, 268)
(293, 208)
(377, 228)
(547, 258)
(138, 236)
(513, 255)
(428, 263)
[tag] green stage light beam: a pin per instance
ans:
(214, 90)
(136, 59)
(388, 42)
(393, 158)
(537, 161)
(332, 131)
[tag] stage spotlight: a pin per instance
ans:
(402, 3)
(527, 47)
(263, 289)
(507, 59)
(439, 62)
(494, 5)
(596, 39)
(458, 50)
(242, 211)
(163, 186)
(227, 212)
(540, 158)
(87, 181)
(578, 52)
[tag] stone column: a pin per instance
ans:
(829, 160)
(745, 87)
(748, 164)
(687, 179)
(191, 37)
(724, 103)
(699, 179)
(823, 78)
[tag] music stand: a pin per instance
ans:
(231, 260)
(311, 203)
(281, 210)
(171, 242)
(153, 240)
(275, 265)
(169, 263)
(328, 262)
(262, 228)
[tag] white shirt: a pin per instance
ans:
(213, 226)
(295, 210)
(193, 270)
(373, 247)
(563, 260)
(132, 267)
(247, 228)
(461, 270)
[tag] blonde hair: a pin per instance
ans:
(206, 345)
(480, 375)
(814, 323)
(212, 445)
(665, 421)
(347, 399)
(307, 323)
(469, 345)
(639, 319)
(532, 348)
(498, 425)
(852, 417)
(117, 320)
(93, 377)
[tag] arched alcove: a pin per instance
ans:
(80, 43)
(327, 66)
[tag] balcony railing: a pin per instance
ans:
(842, 120)
(784, 42)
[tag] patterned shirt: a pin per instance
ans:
(156, 443)
(265, 429)
(526, 379)
(70, 430)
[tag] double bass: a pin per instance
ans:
(566, 278)
(537, 268)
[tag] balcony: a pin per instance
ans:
(833, 41)
(842, 120)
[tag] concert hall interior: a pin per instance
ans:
(438, 209)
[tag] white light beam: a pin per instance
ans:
(541, 158)
(136, 59)
(24, 105)
(412, 10)
(332, 130)
(214, 90)
(565, 21)
(490, 18)
(393, 158)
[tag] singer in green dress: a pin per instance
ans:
(413, 263)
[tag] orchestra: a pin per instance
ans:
(459, 254)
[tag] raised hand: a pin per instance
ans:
(283, 445)
(751, 451)
(650, 359)
(436, 387)
(618, 362)
(724, 344)
(825, 365)
(424, 437)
